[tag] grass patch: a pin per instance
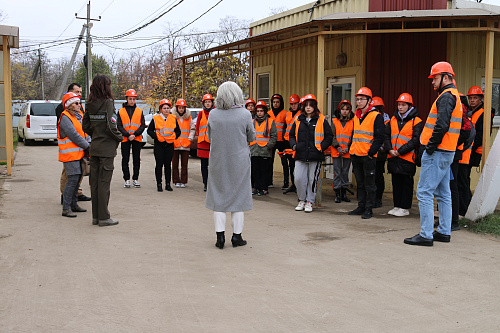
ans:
(14, 131)
(490, 224)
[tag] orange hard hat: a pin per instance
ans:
(364, 91)
(475, 90)
(181, 102)
(294, 98)
(131, 93)
(377, 101)
(309, 97)
(165, 101)
(67, 96)
(405, 98)
(344, 101)
(441, 67)
(249, 101)
(207, 97)
(263, 104)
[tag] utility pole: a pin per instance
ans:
(41, 76)
(70, 65)
(89, 51)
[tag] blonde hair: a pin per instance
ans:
(229, 94)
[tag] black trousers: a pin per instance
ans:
(464, 192)
(402, 190)
(136, 157)
(101, 172)
(364, 171)
(280, 146)
(379, 179)
(260, 172)
(163, 157)
(455, 198)
(204, 170)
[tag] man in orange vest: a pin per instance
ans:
(378, 103)
(439, 138)
(131, 124)
(290, 118)
(367, 138)
(278, 116)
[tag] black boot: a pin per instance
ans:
(168, 187)
(237, 240)
(337, 195)
(159, 187)
(221, 239)
(343, 195)
(290, 189)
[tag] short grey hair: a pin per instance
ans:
(229, 94)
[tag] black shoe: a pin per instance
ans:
(237, 240)
(439, 237)
(419, 240)
(255, 192)
(159, 187)
(358, 211)
(455, 227)
(221, 239)
(83, 197)
(378, 204)
(79, 209)
(290, 189)
(168, 187)
(337, 196)
(262, 192)
(367, 214)
(285, 186)
(343, 195)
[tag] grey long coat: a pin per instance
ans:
(229, 187)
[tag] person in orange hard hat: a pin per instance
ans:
(291, 116)
(378, 103)
(342, 128)
(131, 124)
(203, 150)
(278, 115)
(402, 136)
(250, 106)
(182, 145)
(367, 138)
(439, 139)
(164, 129)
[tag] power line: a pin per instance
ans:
(107, 7)
(153, 13)
(72, 20)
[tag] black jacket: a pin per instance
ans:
(130, 111)
(152, 133)
(397, 164)
(305, 149)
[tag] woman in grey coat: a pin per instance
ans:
(230, 130)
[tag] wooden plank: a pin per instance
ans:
(488, 90)
(183, 89)
(8, 106)
(320, 96)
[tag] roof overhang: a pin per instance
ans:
(12, 34)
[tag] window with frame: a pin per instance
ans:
(495, 99)
(263, 87)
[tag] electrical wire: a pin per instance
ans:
(72, 20)
(107, 7)
(153, 13)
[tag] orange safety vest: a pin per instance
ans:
(165, 128)
(202, 135)
(363, 134)
(131, 125)
(279, 121)
(475, 117)
(183, 139)
(261, 136)
(343, 135)
(450, 139)
(319, 133)
(68, 150)
(400, 138)
(289, 122)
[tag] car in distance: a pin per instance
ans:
(37, 121)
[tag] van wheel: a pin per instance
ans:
(28, 142)
(19, 139)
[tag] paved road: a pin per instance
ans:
(159, 271)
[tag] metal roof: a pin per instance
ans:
(12, 33)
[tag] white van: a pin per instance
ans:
(37, 121)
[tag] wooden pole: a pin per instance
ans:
(8, 105)
(488, 92)
(320, 95)
(183, 79)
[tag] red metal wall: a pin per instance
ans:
(389, 5)
(398, 63)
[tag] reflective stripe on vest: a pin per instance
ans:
(261, 135)
(202, 135)
(165, 128)
(363, 135)
(450, 138)
(344, 136)
(319, 132)
(399, 139)
(289, 122)
(466, 155)
(475, 118)
(131, 125)
(279, 121)
(183, 139)
(69, 151)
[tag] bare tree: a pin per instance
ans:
(3, 16)
(232, 30)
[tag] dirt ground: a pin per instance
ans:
(159, 271)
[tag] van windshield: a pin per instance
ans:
(43, 109)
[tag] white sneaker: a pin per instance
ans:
(309, 207)
(401, 212)
(182, 185)
(392, 211)
(127, 184)
(300, 206)
(177, 184)
(136, 183)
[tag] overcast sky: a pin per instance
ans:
(48, 20)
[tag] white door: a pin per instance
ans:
(339, 88)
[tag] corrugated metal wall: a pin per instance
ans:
(390, 5)
(300, 15)
(398, 63)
